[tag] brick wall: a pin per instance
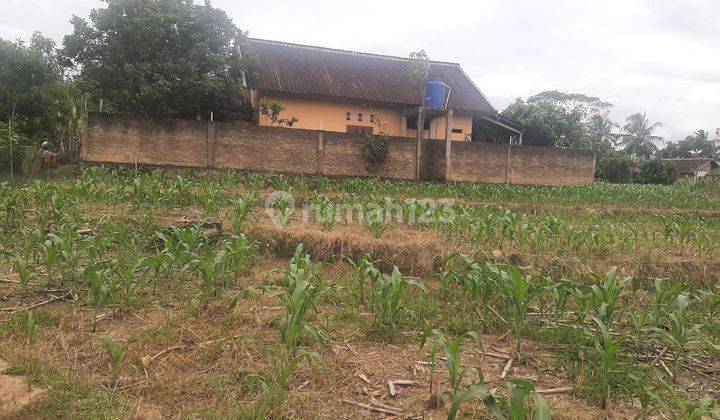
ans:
(120, 139)
(129, 140)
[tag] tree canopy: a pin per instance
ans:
(696, 145)
(638, 141)
(159, 57)
(553, 118)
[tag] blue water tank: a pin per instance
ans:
(435, 92)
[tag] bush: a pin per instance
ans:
(655, 171)
(376, 150)
(614, 168)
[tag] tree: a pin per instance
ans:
(160, 57)
(696, 145)
(554, 118)
(639, 139)
(614, 167)
(655, 171)
(599, 130)
(419, 70)
(35, 100)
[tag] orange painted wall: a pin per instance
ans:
(315, 113)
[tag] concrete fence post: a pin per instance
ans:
(320, 153)
(211, 144)
(448, 146)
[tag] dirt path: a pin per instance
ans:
(15, 392)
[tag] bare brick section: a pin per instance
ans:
(479, 162)
(200, 144)
(253, 148)
(120, 139)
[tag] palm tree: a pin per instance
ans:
(639, 139)
(600, 129)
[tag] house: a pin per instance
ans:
(697, 168)
(347, 91)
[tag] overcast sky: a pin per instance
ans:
(661, 57)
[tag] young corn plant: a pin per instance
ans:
(386, 295)
(451, 348)
(210, 269)
(115, 352)
(378, 228)
(242, 208)
(22, 268)
(102, 290)
(681, 334)
(365, 271)
(604, 298)
(679, 405)
(31, 327)
(515, 406)
(299, 298)
(516, 292)
(606, 352)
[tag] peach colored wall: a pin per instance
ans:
(315, 113)
(330, 115)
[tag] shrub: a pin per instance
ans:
(376, 149)
(614, 167)
(655, 171)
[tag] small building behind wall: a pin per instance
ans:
(352, 92)
(696, 168)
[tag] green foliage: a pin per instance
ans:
(115, 352)
(376, 149)
(614, 167)
(31, 327)
(696, 145)
(606, 352)
(300, 297)
(170, 57)
(638, 141)
(560, 119)
(419, 71)
(655, 171)
(515, 406)
(272, 112)
(386, 298)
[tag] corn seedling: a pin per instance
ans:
(365, 270)
(604, 298)
(387, 292)
(517, 294)
(115, 352)
(515, 407)
(22, 269)
(680, 334)
(31, 327)
(606, 351)
(298, 298)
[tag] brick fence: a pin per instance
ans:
(200, 144)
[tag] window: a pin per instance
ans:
(412, 123)
(359, 117)
(372, 117)
(457, 130)
(348, 116)
(375, 117)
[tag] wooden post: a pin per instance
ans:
(448, 144)
(320, 155)
(211, 144)
(420, 130)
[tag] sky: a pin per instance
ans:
(661, 57)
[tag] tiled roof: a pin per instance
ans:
(689, 166)
(294, 68)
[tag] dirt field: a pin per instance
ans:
(185, 295)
